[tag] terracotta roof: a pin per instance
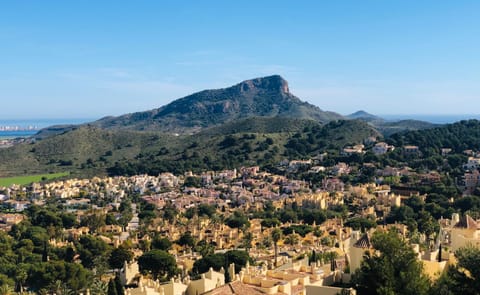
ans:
(298, 289)
(467, 222)
(235, 287)
(363, 242)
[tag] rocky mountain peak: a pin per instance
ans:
(270, 83)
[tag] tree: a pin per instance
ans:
(99, 287)
(119, 285)
(187, 240)
(162, 243)
(112, 290)
(5, 290)
(237, 220)
(276, 236)
(119, 256)
(159, 264)
(427, 224)
(89, 248)
(206, 210)
(215, 261)
(247, 240)
(395, 270)
(219, 260)
(362, 223)
(292, 239)
(270, 222)
(93, 222)
(205, 248)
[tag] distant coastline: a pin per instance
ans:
(436, 119)
(28, 127)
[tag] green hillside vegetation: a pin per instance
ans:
(390, 128)
(457, 136)
(90, 151)
(205, 152)
(261, 125)
(85, 151)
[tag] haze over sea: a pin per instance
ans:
(36, 124)
(28, 127)
(436, 119)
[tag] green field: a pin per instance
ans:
(22, 180)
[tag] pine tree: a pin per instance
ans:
(119, 285)
(112, 290)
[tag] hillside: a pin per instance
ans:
(84, 150)
(390, 128)
(89, 150)
(261, 125)
(261, 97)
(364, 116)
(458, 136)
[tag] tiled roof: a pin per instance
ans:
(363, 242)
(235, 287)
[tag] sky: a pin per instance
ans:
(89, 59)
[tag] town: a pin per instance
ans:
(234, 231)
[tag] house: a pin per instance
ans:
(471, 180)
(445, 151)
(341, 169)
(293, 278)
(208, 281)
(358, 246)
(472, 164)
(356, 149)
(382, 148)
(465, 230)
(411, 150)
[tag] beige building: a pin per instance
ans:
(464, 232)
(359, 244)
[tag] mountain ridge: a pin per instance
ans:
(260, 97)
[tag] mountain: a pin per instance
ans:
(388, 128)
(260, 97)
(364, 116)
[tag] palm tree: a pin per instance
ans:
(292, 239)
(5, 290)
(60, 288)
(276, 236)
(99, 287)
(247, 241)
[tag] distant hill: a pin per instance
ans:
(458, 136)
(364, 116)
(390, 128)
(260, 97)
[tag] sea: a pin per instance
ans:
(436, 119)
(28, 127)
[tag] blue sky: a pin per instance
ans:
(88, 59)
